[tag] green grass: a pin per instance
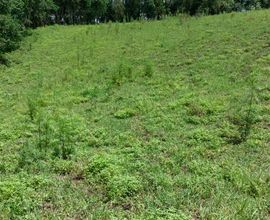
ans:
(145, 120)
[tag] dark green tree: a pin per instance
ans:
(10, 34)
(37, 12)
(96, 10)
(149, 9)
(118, 10)
(133, 9)
(159, 8)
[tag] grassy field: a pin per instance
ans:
(146, 120)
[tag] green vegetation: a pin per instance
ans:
(145, 120)
(10, 34)
(18, 15)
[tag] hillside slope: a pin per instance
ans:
(146, 120)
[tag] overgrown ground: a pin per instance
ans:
(148, 120)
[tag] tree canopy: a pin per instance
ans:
(33, 13)
(16, 15)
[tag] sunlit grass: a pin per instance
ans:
(146, 120)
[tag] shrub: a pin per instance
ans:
(98, 164)
(204, 138)
(102, 168)
(67, 130)
(117, 183)
(124, 113)
(122, 186)
(90, 93)
(123, 74)
(148, 69)
(245, 114)
(32, 108)
(199, 108)
(10, 34)
(16, 199)
(30, 157)
(63, 167)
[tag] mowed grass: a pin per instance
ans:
(146, 120)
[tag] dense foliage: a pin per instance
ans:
(34, 13)
(10, 33)
(85, 11)
(10, 26)
(16, 14)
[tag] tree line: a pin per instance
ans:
(17, 15)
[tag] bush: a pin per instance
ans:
(204, 138)
(102, 168)
(117, 183)
(148, 70)
(16, 199)
(124, 113)
(98, 164)
(10, 34)
(123, 186)
(62, 167)
(123, 74)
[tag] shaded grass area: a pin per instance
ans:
(146, 120)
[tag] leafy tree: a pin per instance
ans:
(133, 9)
(37, 12)
(10, 35)
(96, 9)
(149, 8)
(15, 8)
(15, 15)
(159, 8)
(216, 6)
(11, 28)
(174, 6)
(118, 10)
(265, 3)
